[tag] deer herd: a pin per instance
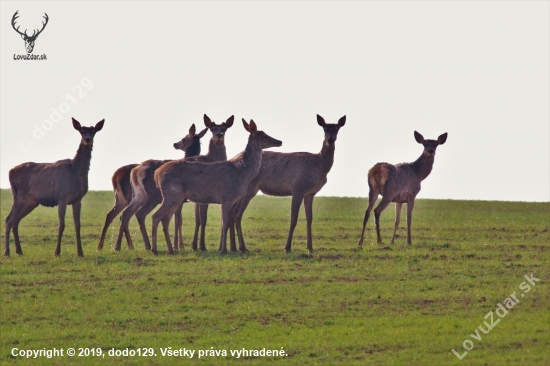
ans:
(207, 179)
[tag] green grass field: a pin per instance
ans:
(381, 304)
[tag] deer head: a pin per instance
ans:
(331, 129)
(88, 133)
(29, 40)
(264, 140)
(430, 145)
(218, 131)
(190, 139)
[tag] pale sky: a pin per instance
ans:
(477, 70)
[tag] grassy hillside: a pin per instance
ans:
(381, 304)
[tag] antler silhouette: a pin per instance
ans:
(15, 16)
(34, 34)
(43, 25)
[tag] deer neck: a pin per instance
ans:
(81, 161)
(216, 150)
(252, 157)
(327, 156)
(192, 150)
(423, 166)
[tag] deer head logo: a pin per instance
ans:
(29, 40)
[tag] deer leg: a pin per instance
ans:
(398, 206)
(9, 226)
(372, 200)
(161, 213)
(226, 219)
(76, 218)
(16, 239)
(295, 207)
(18, 211)
(141, 214)
(168, 213)
(61, 212)
(111, 215)
(377, 212)
(197, 226)
(242, 247)
(165, 228)
(203, 211)
(231, 226)
(410, 206)
(240, 207)
(232, 241)
(128, 239)
(178, 235)
(308, 206)
(125, 222)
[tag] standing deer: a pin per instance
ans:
(221, 182)
(147, 196)
(400, 184)
(122, 186)
(62, 183)
(299, 174)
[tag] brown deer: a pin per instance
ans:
(122, 186)
(62, 183)
(147, 196)
(299, 174)
(400, 184)
(221, 182)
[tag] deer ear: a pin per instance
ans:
(23, 36)
(246, 125)
(99, 125)
(321, 121)
(419, 138)
(192, 130)
(441, 139)
(229, 121)
(77, 125)
(207, 121)
(201, 134)
(253, 127)
(342, 121)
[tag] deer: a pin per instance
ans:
(29, 40)
(122, 187)
(62, 183)
(224, 183)
(400, 184)
(147, 196)
(298, 174)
